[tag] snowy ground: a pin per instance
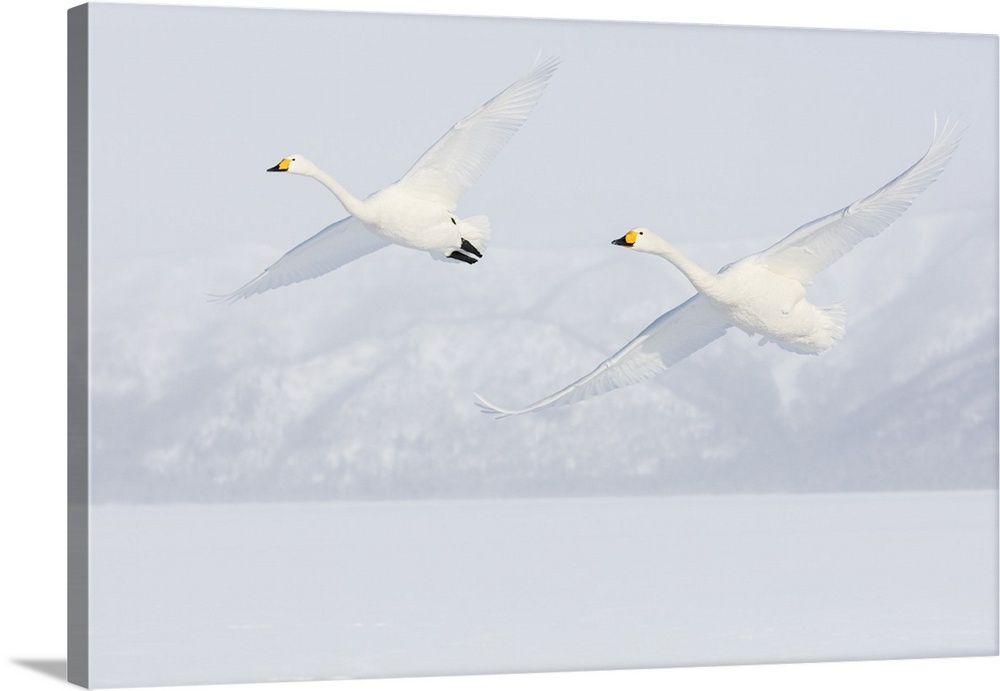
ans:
(229, 593)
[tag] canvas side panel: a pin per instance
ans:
(77, 648)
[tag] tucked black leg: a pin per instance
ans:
(470, 248)
(463, 257)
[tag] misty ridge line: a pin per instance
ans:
(257, 436)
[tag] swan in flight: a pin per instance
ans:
(762, 294)
(418, 210)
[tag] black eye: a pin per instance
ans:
(640, 232)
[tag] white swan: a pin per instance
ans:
(417, 211)
(762, 294)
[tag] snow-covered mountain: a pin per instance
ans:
(360, 384)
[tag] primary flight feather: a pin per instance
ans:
(762, 294)
(418, 210)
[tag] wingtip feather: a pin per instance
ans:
(491, 409)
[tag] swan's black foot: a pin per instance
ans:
(470, 248)
(461, 256)
(468, 253)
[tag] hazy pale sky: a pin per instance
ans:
(722, 138)
(704, 132)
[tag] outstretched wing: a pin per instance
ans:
(816, 245)
(460, 157)
(668, 340)
(330, 248)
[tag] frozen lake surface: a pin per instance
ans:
(269, 592)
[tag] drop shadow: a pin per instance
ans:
(51, 668)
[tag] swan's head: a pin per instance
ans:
(296, 163)
(641, 239)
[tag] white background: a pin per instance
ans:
(33, 487)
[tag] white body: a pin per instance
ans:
(403, 218)
(758, 301)
(763, 294)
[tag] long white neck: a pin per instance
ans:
(700, 278)
(356, 207)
